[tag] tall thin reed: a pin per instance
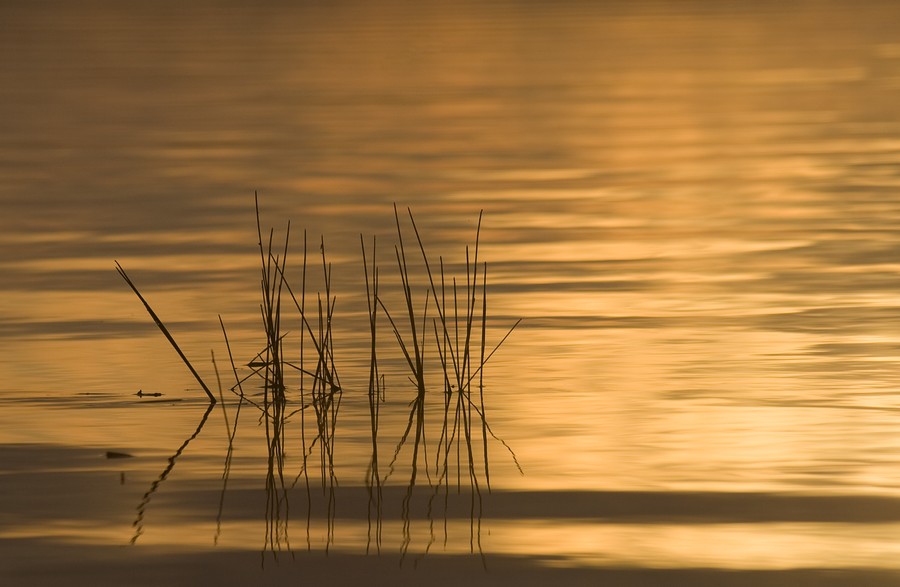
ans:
(373, 476)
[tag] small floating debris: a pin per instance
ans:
(142, 393)
(118, 455)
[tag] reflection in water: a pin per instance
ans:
(145, 501)
(232, 431)
(457, 335)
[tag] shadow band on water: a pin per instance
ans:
(140, 568)
(632, 507)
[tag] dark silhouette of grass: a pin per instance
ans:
(441, 336)
(462, 354)
(373, 476)
(273, 383)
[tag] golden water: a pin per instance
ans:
(693, 205)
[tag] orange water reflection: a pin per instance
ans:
(693, 207)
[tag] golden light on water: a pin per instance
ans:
(692, 207)
(720, 546)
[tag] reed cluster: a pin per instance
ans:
(439, 323)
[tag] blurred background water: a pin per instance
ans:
(694, 205)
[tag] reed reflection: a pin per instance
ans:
(138, 524)
(442, 340)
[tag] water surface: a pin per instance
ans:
(693, 205)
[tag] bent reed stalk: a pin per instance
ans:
(448, 320)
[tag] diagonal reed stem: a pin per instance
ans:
(165, 331)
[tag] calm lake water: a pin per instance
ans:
(694, 206)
